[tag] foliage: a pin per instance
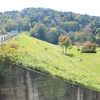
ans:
(64, 41)
(89, 48)
(8, 55)
(40, 22)
(67, 43)
(38, 55)
(39, 31)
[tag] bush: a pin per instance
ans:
(89, 48)
(8, 55)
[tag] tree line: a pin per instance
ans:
(48, 24)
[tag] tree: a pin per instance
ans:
(78, 27)
(64, 41)
(11, 25)
(60, 42)
(80, 36)
(71, 26)
(52, 35)
(2, 31)
(33, 24)
(97, 31)
(53, 24)
(98, 41)
(41, 29)
(25, 22)
(46, 20)
(67, 43)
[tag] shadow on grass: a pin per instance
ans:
(70, 55)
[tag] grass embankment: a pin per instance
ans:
(47, 58)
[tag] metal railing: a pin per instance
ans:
(6, 37)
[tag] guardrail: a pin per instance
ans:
(6, 37)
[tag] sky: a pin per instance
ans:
(90, 7)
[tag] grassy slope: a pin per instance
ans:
(47, 58)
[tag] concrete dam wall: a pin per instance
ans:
(26, 84)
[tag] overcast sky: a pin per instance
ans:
(90, 7)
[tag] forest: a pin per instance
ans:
(48, 24)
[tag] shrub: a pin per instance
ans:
(9, 55)
(89, 48)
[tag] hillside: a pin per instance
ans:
(49, 24)
(47, 58)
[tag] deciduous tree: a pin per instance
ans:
(64, 41)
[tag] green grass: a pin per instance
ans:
(47, 58)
